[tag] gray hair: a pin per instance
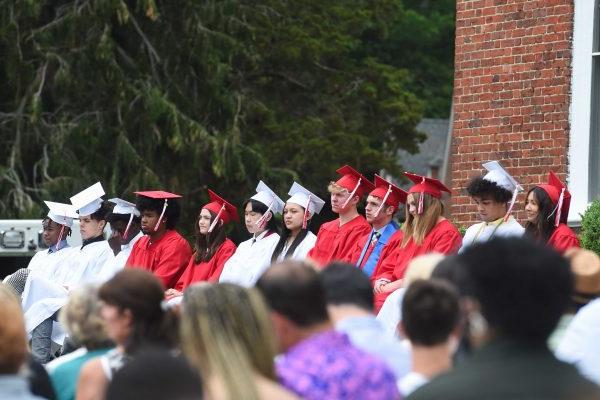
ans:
(82, 320)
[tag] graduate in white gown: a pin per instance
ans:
(45, 293)
(296, 239)
(126, 230)
(253, 256)
(495, 194)
(56, 227)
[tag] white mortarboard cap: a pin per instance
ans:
(498, 175)
(124, 207)
(268, 197)
(62, 214)
(300, 196)
(88, 201)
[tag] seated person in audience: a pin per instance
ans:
(85, 327)
(318, 362)
(514, 292)
(226, 333)
(431, 322)
(349, 298)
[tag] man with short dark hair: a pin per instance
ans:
(515, 291)
(430, 321)
(495, 194)
(162, 251)
(317, 361)
(350, 305)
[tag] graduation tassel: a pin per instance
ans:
(128, 226)
(352, 194)
(214, 223)
(161, 216)
(262, 221)
(421, 197)
(62, 230)
(512, 203)
(305, 217)
(387, 194)
(559, 207)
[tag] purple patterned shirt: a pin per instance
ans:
(328, 366)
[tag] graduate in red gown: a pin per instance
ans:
(336, 239)
(547, 210)
(382, 204)
(161, 250)
(425, 231)
(212, 248)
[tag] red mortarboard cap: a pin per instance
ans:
(396, 195)
(158, 194)
(353, 181)
(554, 188)
(427, 185)
(221, 207)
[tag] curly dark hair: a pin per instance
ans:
(172, 212)
(483, 188)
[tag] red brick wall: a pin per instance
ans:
(511, 93)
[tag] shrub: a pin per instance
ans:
(590, 227)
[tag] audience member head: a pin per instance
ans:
(227, 334)
(421, 267)
(430, 313)
(13, 340)
(346, 286)
(82, 320)
(296, 297)
(585, 266)
(132, 311)
(156, 374)
(519, 289)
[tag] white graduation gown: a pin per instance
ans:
(45, 291)
(116, 263)
(482, 232)
(303, 248)
(250, 260)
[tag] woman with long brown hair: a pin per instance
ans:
(134, 318)
(212, 248)
(547, 209)
(426, 230)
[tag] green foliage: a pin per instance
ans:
(590, 227)
(194, 94)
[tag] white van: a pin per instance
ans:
(20, 239)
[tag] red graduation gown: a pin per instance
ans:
(166, 258)
(336, 243)
(563, 238)
(206, 270)
(444, 238)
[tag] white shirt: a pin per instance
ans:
(580, 344)
(303, 248)
(116, 263)
(410, 383)
(250, 260)
(484, 231)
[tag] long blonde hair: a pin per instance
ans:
(226, 332)
(417, 227)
